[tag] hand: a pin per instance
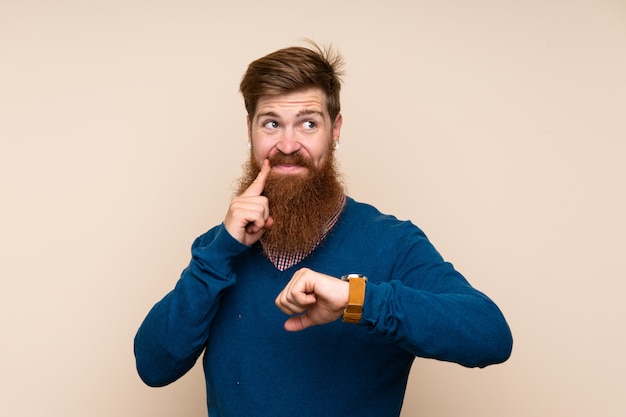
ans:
(248, 215)
(320, 297)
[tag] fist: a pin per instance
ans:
(248, 215)
(312, 298)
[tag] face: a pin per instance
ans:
(293, 124)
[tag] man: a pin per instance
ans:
(282, 333)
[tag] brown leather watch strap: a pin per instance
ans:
(356, 298)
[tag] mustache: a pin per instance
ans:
(292, 159)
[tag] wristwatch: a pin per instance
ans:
(356, 297)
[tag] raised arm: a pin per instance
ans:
(175, 331)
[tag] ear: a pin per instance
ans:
(337, 127)
(249, 124)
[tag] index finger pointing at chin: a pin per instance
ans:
(256, 188)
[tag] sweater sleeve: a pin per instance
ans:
(175, 331)
(430, 310)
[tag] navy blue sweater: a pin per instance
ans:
(416, 304)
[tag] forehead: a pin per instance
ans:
(310, 100)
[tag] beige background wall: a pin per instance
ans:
(497, 126)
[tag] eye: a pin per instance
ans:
(309, 125)
(270, 124)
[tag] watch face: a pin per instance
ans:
(347, 277)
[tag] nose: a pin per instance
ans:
(289, 143)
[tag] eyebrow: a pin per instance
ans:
(303, 112)
(266, 114)
(306, 112)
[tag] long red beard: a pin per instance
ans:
(300, 205)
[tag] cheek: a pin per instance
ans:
(258, 156)
(260, 149)
(319, 155)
